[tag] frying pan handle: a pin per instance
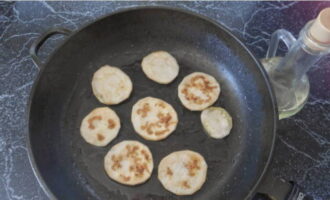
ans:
(278, 189)
(297, 194)
(41, 40)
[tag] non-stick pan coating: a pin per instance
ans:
(72, 169)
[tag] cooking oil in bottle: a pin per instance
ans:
(288, 74)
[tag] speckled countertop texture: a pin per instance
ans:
(302, 151)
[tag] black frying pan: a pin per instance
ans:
(69, 168)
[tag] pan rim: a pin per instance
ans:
(268, 85)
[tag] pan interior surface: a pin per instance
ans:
(73, 169)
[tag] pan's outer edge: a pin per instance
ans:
(35, 170)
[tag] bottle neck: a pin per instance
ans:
(312, 45)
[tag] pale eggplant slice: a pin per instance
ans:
(160, 66)
(217, 122)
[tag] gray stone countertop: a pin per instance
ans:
(302, 152)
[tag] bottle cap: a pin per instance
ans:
(320, 29)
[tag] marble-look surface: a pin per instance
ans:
(302, 152)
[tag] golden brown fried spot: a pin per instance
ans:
(144, 110)
(111, 124)
(192, 166)
(161, 132)
(91, 120)
(139, 169)
(161, 104)
(169, 171)
(125, 178)
(145, 154)
(163, 121)
(148, 127)
(185, 184)
(200, 82)
(116, 162)
(132, 151)
(100, 137)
